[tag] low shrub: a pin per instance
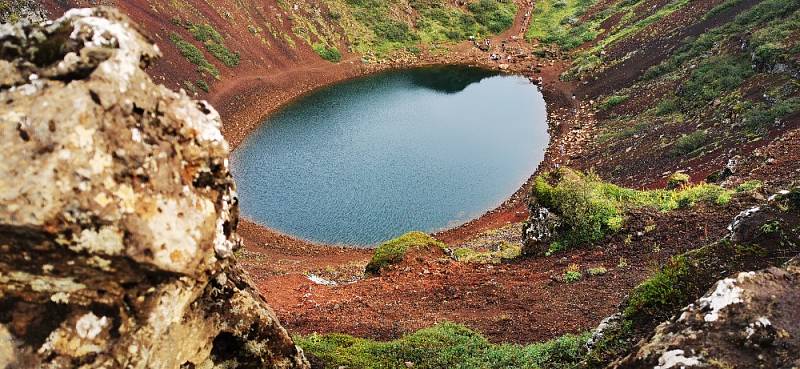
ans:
(205, 32)
(223, 54)
(690, 142)
(667, 106)
(572, 274)
(202, 84)
(749, 186)
(597, 271)
(214, 43)
(677, 180)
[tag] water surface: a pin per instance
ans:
(372, 158)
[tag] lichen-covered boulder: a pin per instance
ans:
(539, 230)
(117, 212)
(746, 321)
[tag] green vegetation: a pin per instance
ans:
(375, 27)
(590, 208)
(718, 71)
(573, 273)
(496, 16)
(613, 101)
(714, 77)
(194, 55)
(445, 345)
(749, 186)
(202, 84)
(665, 288)
(667, 106)
(330, 54)
(690, 142)
(597, 271)
(393, 251)
(506, 251)
(677, 180)
(214, 43)
(689, 275)
(556, 22)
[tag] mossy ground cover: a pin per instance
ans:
(557, 22)
(591, 208)
(393, 251)
(381, 27)
(446, 345)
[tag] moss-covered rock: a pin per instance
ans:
(746, 321)
(394, 251)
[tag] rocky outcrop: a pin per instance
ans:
(539, 230)
(759, 238)
(746, 321)
(117, 212)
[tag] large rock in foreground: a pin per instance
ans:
(746, 321)
(117, 212)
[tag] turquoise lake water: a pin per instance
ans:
(369, 159)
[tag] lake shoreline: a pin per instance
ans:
(245, 103)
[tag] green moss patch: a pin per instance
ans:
(328, 53)
(446, 345)
(393, 251)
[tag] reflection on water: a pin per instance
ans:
(449, 79)
(372, 158)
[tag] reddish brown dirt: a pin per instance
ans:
(523, 301)
(657, 41)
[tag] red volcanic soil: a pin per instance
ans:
(523, 301)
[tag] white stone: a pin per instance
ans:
(90, 325)
(676, 359)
